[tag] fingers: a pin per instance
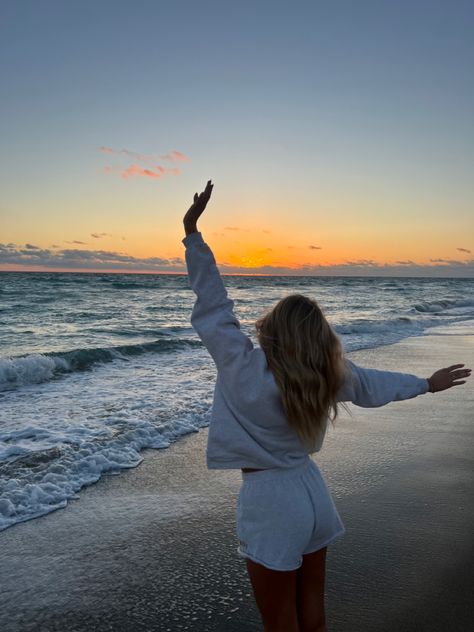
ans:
(208, 190)
(457, 375)
(454, 366)
(206, 194)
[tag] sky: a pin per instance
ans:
(339, 135)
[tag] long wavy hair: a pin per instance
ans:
(305, 356)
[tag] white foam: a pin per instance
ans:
(31, 369)
(63, 435)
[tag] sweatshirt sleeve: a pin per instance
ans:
(370, 388)
(213, 317)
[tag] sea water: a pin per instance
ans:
(96, 367)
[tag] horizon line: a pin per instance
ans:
(241, 274)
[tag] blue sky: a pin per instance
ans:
(347, 124)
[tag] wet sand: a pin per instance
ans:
(154, 548)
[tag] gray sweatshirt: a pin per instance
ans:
(248, 425)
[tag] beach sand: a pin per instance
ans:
(154, 548)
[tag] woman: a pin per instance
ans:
(270, 411)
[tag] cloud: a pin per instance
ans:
(76, 241)
(464, 250)
(361, 263)
(74, 259)
(361, 268)
(154, 171)
(34, 257)
(160, 172)
(173, 156)
(176, 156)
(99, 235)
(267, 231)
(315, 247)
(451, 262)
(245, 230)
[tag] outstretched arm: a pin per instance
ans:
(371, 388)
(213, 315)
(448, 377)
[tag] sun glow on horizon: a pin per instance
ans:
(337, 140)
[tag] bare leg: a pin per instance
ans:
(275, 594)
(310, 592)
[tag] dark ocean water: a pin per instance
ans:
(95, 367)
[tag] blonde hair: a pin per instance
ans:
(305, 356)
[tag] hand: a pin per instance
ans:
(445, 378)
(197, 208)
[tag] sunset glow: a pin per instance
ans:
(340, 158)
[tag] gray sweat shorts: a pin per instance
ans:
(284, 513)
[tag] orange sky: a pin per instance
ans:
(339, 142)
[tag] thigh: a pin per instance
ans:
(275, 594)
(310, 591)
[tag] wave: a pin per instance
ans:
(366, 326)
(140, 331)
(435, 307)
(368, 333)
(34, 484)
(130, 285)
(42, 367)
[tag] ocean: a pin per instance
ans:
(96, 367)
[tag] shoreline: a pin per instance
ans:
(465, 327)
(154, 548)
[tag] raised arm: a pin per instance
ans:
(213, 315)
(371, 388)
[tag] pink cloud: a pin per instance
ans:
(173, 156)
(136, 170)
(127, 152)
(176, 156)
(174, 170)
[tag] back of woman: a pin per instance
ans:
(271, 408)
